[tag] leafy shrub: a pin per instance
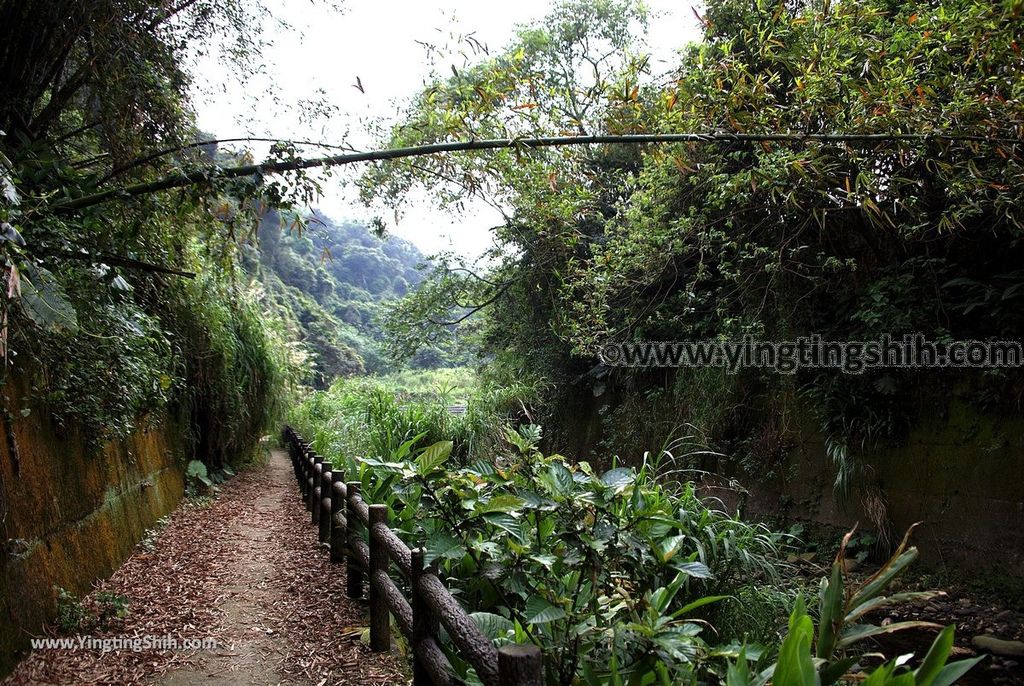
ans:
(71, 613)
(601, 569)
(622, 576)
(197, 478)
(598, 568)
(806, 660)
(75, 615)
(110, 606)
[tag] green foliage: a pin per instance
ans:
(102, 610)
(452, 385)
(378, 415)
(806, 661)
(72, 615)
(110, 607)
(197, 477)
(622, 576)
(329, 281)
(433, 317)
(601, 569)
(714, 241)
(99, 318)
(237, 371)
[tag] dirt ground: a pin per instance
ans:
(244, 571)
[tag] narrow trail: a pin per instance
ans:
(245, 571)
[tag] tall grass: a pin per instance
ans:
(374, 416)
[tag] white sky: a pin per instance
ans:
(376, 41)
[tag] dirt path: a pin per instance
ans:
(244, 571)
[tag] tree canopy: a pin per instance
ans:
(718, 239)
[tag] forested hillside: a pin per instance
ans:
(328, 280)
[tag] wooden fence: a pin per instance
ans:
(341, 517)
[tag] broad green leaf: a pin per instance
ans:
(501, 503)
(406, 447)
(505, 521)
(697, 570)
(535, 501)
(936, 658)
(669, 547)
(699, 603)
(540, 611)
(618, 478)
(884, 576)
(8, 190)
(433, 457)
(196, 469)
(832, 672)
(9, 234)
(951, 673)
(482, 468)
(558, 480)
(881, 676)
(45, 302)
(545, 559)
(885, 601)
(491, 625)
(831, 622)
(739, 671)
(795, 666)
(442, 545)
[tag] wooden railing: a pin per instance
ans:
(342, 517)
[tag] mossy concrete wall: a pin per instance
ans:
(71, 514)
(958, 472)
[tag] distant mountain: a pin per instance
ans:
(328, 281)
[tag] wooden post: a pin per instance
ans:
(337, 505)
(303, 471)
(307, 476)
(286, 441)
(380, 619)
(354, 573)
(318, 480)
(424, 625)
(324, 530)
(312, 502)
(520, 665)
(304, 461)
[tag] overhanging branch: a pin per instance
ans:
(197, 176)
(118, 261)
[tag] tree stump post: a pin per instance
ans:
(326, 496)
(520, 665)
(354, 573)
(380, 618)
(310, 463)
(314, 489)
(303, 471)
(424, 624)
(337, 536)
